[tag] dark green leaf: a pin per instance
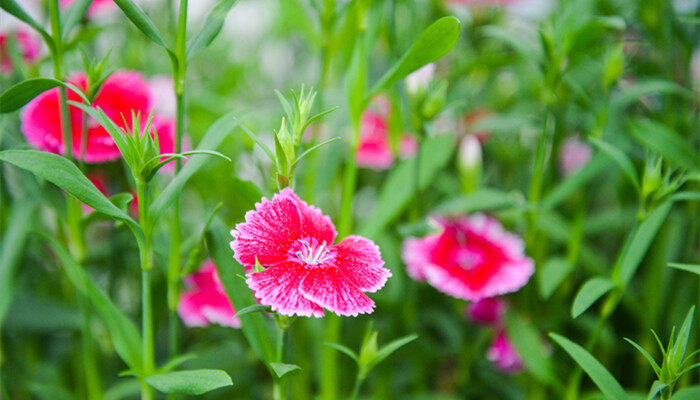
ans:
(660, 139)
(281, 369)
(214, 136)
(574, 182)
(436, 41)
(211, 27)
(391, 347)
(681, 345)
(22, 93)
(594, 369)
(694, 268)
(397, 192)
(13, 8)
(552, 274)
(650, 359)
(125, 337)
(656, 387)
(343, 350)
(252, 309)
(12, 248)
(530, 346)
(620, 159)
(589, 293)
(193, 382)
(141, 20)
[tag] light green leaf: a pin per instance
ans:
(211, 27)
(252, 309)
(589, 293)
(638, 244)
(482, 199)
(552, 274)
(643, 88)
(681, 345)
(660, 139)
(521, 45)
(436, 41)
(259, 332)
(656, 387)
(620, 159)
(125, 337)
(694, 268)
(396, 193)
(689, 393)
(49, 391)
(595, 370)
(530, 346)
(12, 249)
(139, 18)
(391, 347)
(281, 369)
(193, 382)
(212, 139)
(72, 14)
(343, 350)
(22, 93)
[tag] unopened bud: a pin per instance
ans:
(469, 163)
(418, 81)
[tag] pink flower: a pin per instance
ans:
(97, 6)
(408, 146)
(205, 301)
(574, 155)
(472, 258)
(374, 149)
(504, 356)
(28, 44)
(163, 95)
(419, 80)
(121, 93)
(305, 271)
(488, 311)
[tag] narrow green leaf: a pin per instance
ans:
(254, 137)
(644, 88)
(259, 332)
(595, 370)
(396, 193)
(252, 309)
(589, 293)
(13, 8)
(391, 347)
(681, 345)
(139, 18)
(526, 49)
(22, 93)
(481, 200)
(436, 41)
(343, 350)
(193, 382)
(575, 182)
(281, 369)
(72, 15)
(175, 362)
(530, 346)
(552, 274)
(211, 27)
(620, 159)
(125, 337)
(639, 242)
(656, 387)
(650, 359)
(689, 393)
(307, 152)
(12, 248)
(660, 139)
(212, 139)
(694, 268)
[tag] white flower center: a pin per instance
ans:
(312, 254)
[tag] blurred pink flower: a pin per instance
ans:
(574, 155)
(381, 103)
(503, 355)
(28, 44)
(408, 146)
(163, 95)
(305, 272)
(100, 181)
(95, 8)
(472, 258)
(419, 80)
(205, 301)
(121, 93)
(488, 311)
(374, 149)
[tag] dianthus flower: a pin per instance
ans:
(28, 44)
(304, 271)
(374, 149)
(204, 302)
(503, 355)
(472, 258)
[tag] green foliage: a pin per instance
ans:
(190, 382)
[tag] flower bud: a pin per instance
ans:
(469, 163)
(418, 81)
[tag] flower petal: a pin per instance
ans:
(360, 261)
(329, 288)
(313, 223)
(278, 287)
(416, 254)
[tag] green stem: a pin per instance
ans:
(146, 300)
(57, 56)
(278, 392)
(537, 177)
(356, 388)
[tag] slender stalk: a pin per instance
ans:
(356, 388)
(537, 177)
(146, 300)
(278, 392)
(57, 56)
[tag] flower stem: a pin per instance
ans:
(278, 392)
(356, 388)
(146, 300)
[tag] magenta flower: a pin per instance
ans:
(574, 155)
(205, 301)
(503, 355)
(472, 258)
(96, 7)
(374, 149)
(121, 93)
(488, 311)
(305, 272)
(28, 44)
